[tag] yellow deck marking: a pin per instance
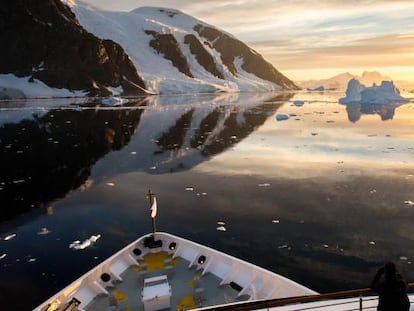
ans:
(119, 296)
(156, 261)
(128, 309)
(195, 278)
(136, 268)
(186, 303)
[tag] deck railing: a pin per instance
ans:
(358, 294)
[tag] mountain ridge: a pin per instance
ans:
(68, 49)
(340, 81)
(209, 70)
(46, 43)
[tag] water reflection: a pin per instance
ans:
(356, 110)
(51, 152)
(316, 198)
(45, 157)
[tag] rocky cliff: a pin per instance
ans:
(43, 40)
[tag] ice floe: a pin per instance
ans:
(114, 101)
(282, 117)
(298, 103)
(43, 231)
(77, 245)
(9, 237)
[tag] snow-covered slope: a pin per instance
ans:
(175, 53)
(46, 53)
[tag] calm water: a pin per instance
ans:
(324, 197)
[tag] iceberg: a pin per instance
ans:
(385, 93)
(282, 117)
(77, 245)
(114, 101)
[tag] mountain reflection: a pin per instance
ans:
(208, 131)
(356, 110)
(47, 155)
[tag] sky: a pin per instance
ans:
(310, 39)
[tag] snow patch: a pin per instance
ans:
(10, 84)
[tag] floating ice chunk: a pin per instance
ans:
(189, 188)
(31, 260)
(409, 202)
(110, 184)
(298, 103)
(44, 231)
(283, 246)
(77, 245)
(133, 152)
(282, 117)
(372, 242)
(221, 228)
(153, 168)
(221, 223)
(9, 237)
(404, 258)
(2, 256)
(325, 245)
(114, 101)
(264, 185)
(275, 221)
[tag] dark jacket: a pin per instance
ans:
(391, 289)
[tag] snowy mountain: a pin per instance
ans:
(340, 81)
(176, 53)
(47, 53)
(71, 49)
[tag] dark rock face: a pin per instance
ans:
(44, 40)
(167, 45)
(203, 57)
(230, 48)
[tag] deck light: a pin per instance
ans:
(172, 246)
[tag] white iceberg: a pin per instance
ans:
(9, 237)
(43, 231)
(114, 101)
(385, 93)
(77, 245)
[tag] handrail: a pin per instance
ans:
(278, 302)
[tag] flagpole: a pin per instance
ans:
(151, 197)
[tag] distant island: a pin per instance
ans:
(340, 82)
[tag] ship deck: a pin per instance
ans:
(189, 288)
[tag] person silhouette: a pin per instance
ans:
(391, 289)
